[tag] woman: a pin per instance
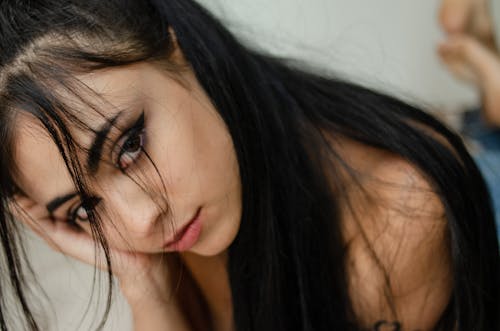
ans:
(227, 190)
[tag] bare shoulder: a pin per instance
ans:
(396, 237)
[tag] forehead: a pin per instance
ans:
(42, 171)
(97, 95)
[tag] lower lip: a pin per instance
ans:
(189, 237)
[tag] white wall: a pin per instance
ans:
(389, 44)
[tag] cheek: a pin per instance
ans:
(178, 143)
(115, 234)
(198, 160)
(188, 141)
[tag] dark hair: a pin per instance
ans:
(294, 276)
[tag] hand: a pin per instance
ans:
(470, 52)
(141, 276)
(471, 17)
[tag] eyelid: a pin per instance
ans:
(72, 209)
(61, 212)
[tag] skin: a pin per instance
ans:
(193, 151)
(182, 135)
(189, 145)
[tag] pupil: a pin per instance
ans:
(133, 144)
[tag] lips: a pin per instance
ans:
(187, 235)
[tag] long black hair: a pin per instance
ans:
(287, 264)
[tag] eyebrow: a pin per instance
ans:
(59, 201)
(95, 150)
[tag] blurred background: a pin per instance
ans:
(386, 44)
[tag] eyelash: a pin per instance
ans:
(137, 131)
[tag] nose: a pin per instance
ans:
(132, 210)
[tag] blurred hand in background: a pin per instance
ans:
(469, 50)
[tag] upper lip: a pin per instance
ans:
(178, 234)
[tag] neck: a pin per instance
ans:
(211, 276)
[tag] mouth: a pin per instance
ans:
(187, 236)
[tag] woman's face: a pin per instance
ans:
(182, 134)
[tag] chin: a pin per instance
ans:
(213, 243)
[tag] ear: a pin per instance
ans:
(177, 56)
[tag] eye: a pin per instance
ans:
(130, 148)
(81, 211)
(130, 145)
